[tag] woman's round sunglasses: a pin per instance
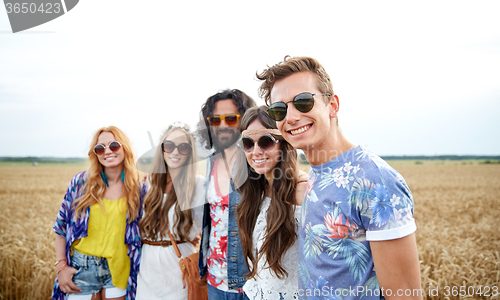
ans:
(265, 142)
(303, 102)
(113, 146)
(169, 147)
(230, 119)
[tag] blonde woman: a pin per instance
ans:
(172, 203)
(97, 227)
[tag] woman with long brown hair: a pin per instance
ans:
(269, 209)
(97, 230)
(173, 204)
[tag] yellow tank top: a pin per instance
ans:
(106, 238)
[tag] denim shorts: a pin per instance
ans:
(92, 273)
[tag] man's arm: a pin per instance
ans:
(397, 267)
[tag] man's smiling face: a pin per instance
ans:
(304, 130)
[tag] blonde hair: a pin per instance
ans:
(95, 186)
(155, 220)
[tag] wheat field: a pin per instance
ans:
(456, 210)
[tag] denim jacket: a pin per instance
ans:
(236, 265)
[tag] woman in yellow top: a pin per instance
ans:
(97, 227)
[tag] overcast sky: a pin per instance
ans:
(413, 78)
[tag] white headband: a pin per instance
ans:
(261, 131)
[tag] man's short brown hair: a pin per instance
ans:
(289, 66)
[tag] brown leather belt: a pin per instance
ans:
(160, 243)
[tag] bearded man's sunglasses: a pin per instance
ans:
(230, 119)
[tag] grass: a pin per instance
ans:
(435, 162)
(456, 210)
(30, 164)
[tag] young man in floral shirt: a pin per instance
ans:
(356, 236)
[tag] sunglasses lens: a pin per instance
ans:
(277, 111)
(304, 102)
(231, 120)
(247, 144)
(184, 148)
(215, 121)
(114, 146)
(99, 149)
(266, 143)
(168, 147)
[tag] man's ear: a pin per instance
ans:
(334, 106)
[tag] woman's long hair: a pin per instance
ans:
(280, 232)
(95, 186)
(155, 223)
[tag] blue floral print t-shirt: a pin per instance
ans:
(350, 200)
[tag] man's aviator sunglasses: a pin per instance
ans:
(303, 102)
(230, 119)
(113, 146)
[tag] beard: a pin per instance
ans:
(225, 138)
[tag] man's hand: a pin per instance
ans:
(196, 240)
